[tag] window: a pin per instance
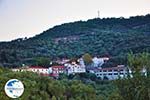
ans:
(110, 70)
(121, 70)
(116, 70)
(104, 70)
(110, 74)
(115, 73)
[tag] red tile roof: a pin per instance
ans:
(119, 67)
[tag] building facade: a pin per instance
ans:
(110, 73)
(75, 67)
(56, 70)
(36, 69)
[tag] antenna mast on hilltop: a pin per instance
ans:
(98, 13)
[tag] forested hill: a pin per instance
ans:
(113, 37)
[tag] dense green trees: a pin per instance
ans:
(136, 85)
(84, 86)
(113, 37)
(87, 59)
(41, 61)
(45, 88)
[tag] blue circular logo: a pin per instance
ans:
(14, 88)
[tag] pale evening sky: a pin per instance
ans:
(26, 18)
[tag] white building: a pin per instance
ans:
(36, 69)
(21, 69)
(98, 62)
(39, 70)
(111, 73)
(72, 68)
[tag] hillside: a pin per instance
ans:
(113, 37)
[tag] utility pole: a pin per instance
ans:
(98, 13)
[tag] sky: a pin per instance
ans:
(26, 18)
